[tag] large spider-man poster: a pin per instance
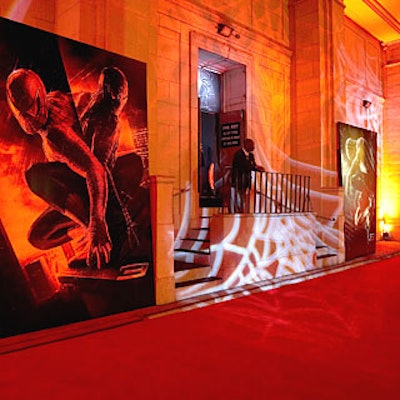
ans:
(74, 205)
(358, 175)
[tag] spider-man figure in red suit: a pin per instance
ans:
(78, 179)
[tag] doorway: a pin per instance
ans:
(222, 110)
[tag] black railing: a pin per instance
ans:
(267, 193)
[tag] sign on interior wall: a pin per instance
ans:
(358, 177)
(74, 206)
(230, 134)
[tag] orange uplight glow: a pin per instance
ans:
(18, 9)
(389, 207)
(388, 215)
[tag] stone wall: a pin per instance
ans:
(390, 179)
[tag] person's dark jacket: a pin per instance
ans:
(242, 166)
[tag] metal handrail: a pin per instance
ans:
(267, 193)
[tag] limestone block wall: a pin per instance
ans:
(362, 70)
(336, 65)
(363, 80)
(184, 27)
(316, 37)
(317, 41)
(39, 14)
(390, 179)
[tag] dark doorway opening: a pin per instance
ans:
(222, 104)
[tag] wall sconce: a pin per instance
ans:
(226, 31)
(366, 104)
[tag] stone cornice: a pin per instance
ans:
(383, 13)
(292, 3)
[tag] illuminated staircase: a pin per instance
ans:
(192, 261)
(326, 256)
(193, 269)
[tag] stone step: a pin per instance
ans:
(196, 239)
(205, 251)
(183, 265)
(197, 281)
(327, 255)
(191, 273)
(196, 287)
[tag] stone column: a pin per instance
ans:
(161, 190)
(318, 96)
(316, 34)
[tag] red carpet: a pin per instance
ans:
(336, 337)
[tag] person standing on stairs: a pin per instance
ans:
(242, 165)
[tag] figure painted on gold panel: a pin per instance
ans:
(357, 184)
